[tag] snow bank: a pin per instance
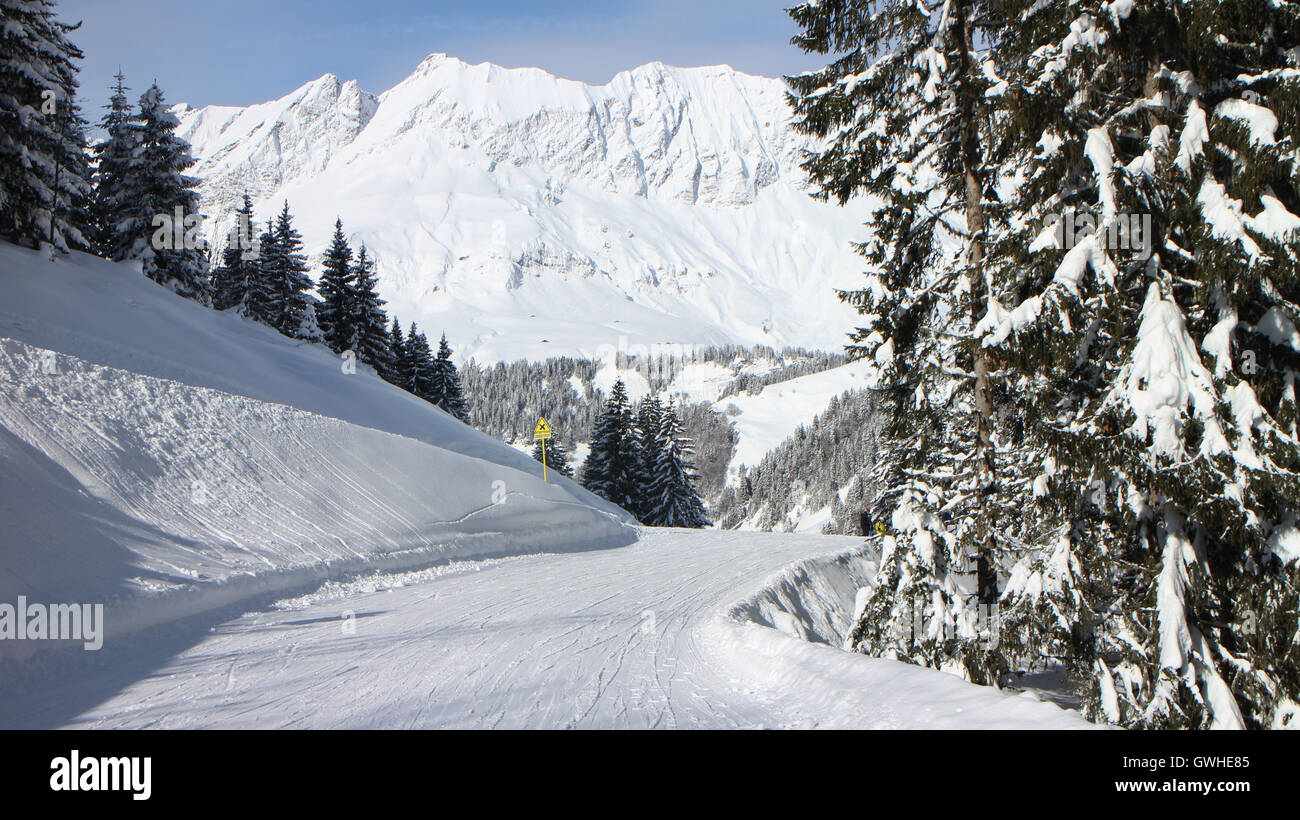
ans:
(167, 460)
(812, 600)
(812, 686)
(783, 644)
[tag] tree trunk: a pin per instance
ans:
(976, 226)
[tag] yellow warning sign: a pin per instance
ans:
(542, 431)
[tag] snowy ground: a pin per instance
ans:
(643, 636)
(183, 467)
(164, 459)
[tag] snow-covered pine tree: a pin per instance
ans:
(157, 187)
(421, 363)
(906, 112)
(610, 468)
(286, 270)
(674, 500)
(44, 167)
(262, 298)
(373, 344)
(1164, 354)
(337, 308)
(444, 386)
(236, 277)
(647, 430)
(557, 458)
(400, 374)
(113, 155)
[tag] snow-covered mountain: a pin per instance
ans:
(530, 216)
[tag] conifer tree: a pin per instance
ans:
(400, 373)
(673, 498)
(285, 269)
(236, 277)
(262, 298)
(161, 216)
(906, 113)
(113, 156)
(444, 389)
(610, 468)
(557, 458)
(336, 311)
(421, 363)
(648, 428)
(1162, 355)
(373, 344)
(44, 167)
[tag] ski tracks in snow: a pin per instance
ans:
(642, 636)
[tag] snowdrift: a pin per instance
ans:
(814, 600)
(784, 641)
(165, 459)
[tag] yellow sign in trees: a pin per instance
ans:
(542, 432)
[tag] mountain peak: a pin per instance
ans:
(674, 190)
(434, 60)
(660, 67)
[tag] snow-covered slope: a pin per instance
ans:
(167, 459)
(530, 216)
(645, 636)
(763, 421)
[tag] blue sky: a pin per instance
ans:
(237, 52)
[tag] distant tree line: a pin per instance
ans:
(808, 363)
(823, 464)
(509, 398)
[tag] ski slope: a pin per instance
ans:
(680, 630)
(183, 467)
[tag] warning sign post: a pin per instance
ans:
(542, 432)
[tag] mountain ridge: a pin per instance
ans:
(668, 200)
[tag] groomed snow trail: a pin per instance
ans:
(175, 463)
(631, 637)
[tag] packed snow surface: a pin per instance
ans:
(642, 636)
(393, 568)
(166, 459)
